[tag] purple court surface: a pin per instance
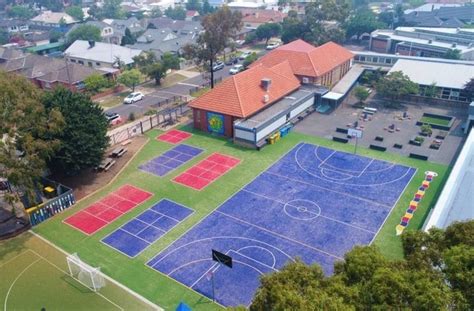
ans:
(136, 235)
(314, 203)
(171, 160)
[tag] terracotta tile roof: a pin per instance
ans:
(242, 95)
(307, 60)
(262, 16)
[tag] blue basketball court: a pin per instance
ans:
(136, 235)
(171, 160)
(314, 203)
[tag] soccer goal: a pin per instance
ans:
(88, 276)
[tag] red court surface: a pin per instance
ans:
(174, 136)
(205, 172)
(101, 213)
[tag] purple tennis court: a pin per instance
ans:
(314, 203)
(136, 235)
(171, 160)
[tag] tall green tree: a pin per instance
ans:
(469, 89)
(4, 36)
(109, 9)
(194, 5)
(130, 78)
(361, 93)
(218, 29)
(84, 32)
(155, 71)
(95, 82)
(128, 38)
(452, 54)
(75, 12)
(206, 8)
(26, 131)
(267, 31)
(170, 61)
(362, 21)
(84, 139)
(21, 12)
(176, 13)
(395, 85)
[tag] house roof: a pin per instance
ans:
(101, 52)
(242, 95)
(163, 40)
(49, 17)
(307, 60)
(260, 16)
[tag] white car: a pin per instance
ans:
(272, 46)
(236, 69)
(133, 97)
(244, 55)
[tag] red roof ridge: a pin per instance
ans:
(238, 93)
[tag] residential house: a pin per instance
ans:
(192, 15)
(49, 20)
(423, 41)
(100, 54)
(252, 18)
(445, 16)
(13, 26)
(135, 26)
(107, 32)
(45, 72)
(274, 92)
(164, 40)
(184, 27)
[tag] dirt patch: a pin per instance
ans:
(89, 181)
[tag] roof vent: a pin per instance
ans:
(266, 98)
(91, 44)
(430, 41)
(453, 45)
(265, 83)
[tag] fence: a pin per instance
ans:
(164, 117)
(204, 85)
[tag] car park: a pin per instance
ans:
(133, 97)
(231, 61)
(236, 69)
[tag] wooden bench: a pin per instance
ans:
(118, 152)
(127, 142)
(106, 164)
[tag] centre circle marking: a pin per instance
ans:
(302, 209)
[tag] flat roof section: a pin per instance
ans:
(455, 201)
(443, 74)
(277, 108)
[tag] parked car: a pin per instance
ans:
(236, 69)
(113, 118)
(218, 66)
(244, 55)
(239, 42)
(133, 97)
(272, 46)
(231, 61)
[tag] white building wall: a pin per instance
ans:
(302, 108)
(243, 135)
(271, 127)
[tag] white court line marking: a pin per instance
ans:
(329, 218)
(14, 257)
(363, 171)
(256, 246)
(280, 235)
(323, 172)
(15, 280)
(254, 260)
(327, 158)
(61, 270)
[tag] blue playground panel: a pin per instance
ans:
(313, 203)
(133, 237)
(171, 160)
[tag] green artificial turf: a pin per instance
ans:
(165, 291)
(435, 121)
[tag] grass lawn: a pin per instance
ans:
(34, 272)
(172, 79)
(433, 120)
(165, 291)
(112, 101)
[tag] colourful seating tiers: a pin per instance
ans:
(414, 202)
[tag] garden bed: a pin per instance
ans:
(437, 121)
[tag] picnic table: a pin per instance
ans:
(118, 152)
(106, 164)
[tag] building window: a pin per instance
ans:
(90, 64)
(288, 115)
(98, 64)
(80, 62)
(73, 60)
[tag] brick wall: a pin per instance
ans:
(379, 45)
(200, 122)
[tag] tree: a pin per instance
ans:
(396, 85)
(156, 71)
(110, 9)
(452, 54)
(363, 21)
(267, 31)
(84, 138)
(293, 28)
(128, 38)
(21, 12)
(431, 90)
(206, 8)
(54, 36)
(218, 29)
(194, 5)
(95, 83)
(176, 13)
(26, 129)
(156, 12)
(130, 78)
(469, 89)
(84, 32)
(250, 59)
(75, 12)
(361, 93)
(250, 38)
(170, 61)
(144, 59)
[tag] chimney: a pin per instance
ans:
(91, 44)
(265, 83)
(266, 98)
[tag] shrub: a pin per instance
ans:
(131, 116)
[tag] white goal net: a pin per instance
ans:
(85, 274)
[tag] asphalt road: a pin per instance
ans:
(150, 100)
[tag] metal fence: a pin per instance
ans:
(164, 117)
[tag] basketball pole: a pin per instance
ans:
(213, 288)
(355, 148)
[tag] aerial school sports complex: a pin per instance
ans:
(186, 193)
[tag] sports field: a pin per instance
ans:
(304, 196)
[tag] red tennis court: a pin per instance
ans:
(206, 171)
(174, 136)
(101, 213)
